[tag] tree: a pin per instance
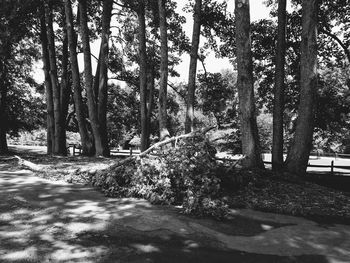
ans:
(100, 140)
(16, 18)
(249, 130)
(103, 74)
(163, 83)
(78, 100)
(59, 142)
(193, 66)
(278, 109)
(298, 155)
(143, 76)
(50, 119)
(215, 95)
(128, 54)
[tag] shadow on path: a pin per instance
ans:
(45, 221)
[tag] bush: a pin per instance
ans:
(185, 175)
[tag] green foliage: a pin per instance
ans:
(264, 122)
(185, 175)
(123, 112)
(216, 94)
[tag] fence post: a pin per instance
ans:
(73, 149)
(332, 167)
(130, 151)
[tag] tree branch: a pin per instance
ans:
(334, 37)
(162, 143)
(177, 92)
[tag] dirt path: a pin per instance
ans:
(46, 221)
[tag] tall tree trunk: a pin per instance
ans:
(298, 155)
(278, 103)
(103, 74)
(96, 78)
(143, 75)
(245, 86)
(163, 83)
(93, 116)
(3, 117)
(150, 100)
(193, 67)
(78, 101)
(65, 83)
(59, 146)
(48, 87)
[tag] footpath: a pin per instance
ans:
(51, 221)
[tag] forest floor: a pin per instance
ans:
(54, 217)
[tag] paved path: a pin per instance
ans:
(46, 221)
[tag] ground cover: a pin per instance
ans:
(258, 190)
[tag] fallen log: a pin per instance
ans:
(30, 165)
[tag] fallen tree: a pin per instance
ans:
(31, 166)
(160, 144)
(187, 175)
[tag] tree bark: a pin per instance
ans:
(48, 88)
(3, 116)
(92, 107)
(143, 75)
(150, 101)
(103, 75)
(96, 78)
(193, 67)
(278, 103)
(65, 86)
(59, 145)
(86, 143)
(163, 83)
(245, 86)
(298, 155)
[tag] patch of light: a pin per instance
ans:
(146, 248)
(266, 227)
(30, 252)
(78, 227)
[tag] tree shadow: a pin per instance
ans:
(45, 221)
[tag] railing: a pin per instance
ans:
(76, 149)
(121, 152)
(332, 166)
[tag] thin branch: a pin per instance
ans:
(177, 92)
(334, 37)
